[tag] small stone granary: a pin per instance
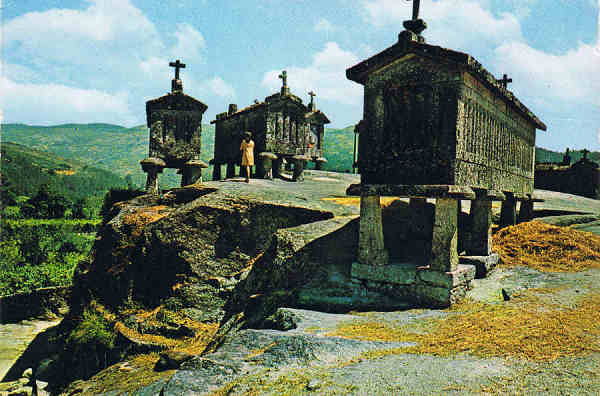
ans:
(438, 125)
(282, 127)
(581, 178)
(175, 122)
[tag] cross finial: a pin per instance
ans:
(177, 65)
(312, 97)
(283, 76)
(505, 80)
(585, 153)
(415, 24)
(415, 13)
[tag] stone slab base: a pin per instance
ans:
(482, 264)
(416, 285)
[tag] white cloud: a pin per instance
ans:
(54, 103)
(572, 76)
(105, 27)
(190, 42)
(220, 88)
(326, 76)
(324, 26)
(452, 23)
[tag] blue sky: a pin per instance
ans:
(100, 60)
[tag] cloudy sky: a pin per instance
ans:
(99, 60)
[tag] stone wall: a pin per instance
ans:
(42, 303)
(577, 180)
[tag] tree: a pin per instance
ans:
(46, 204)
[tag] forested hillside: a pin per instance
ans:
(120, 149)
(25, 169)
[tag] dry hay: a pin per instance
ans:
(355, 201)
(141, 217)
(524, 328)
(547, 248)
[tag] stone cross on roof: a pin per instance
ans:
(415, 25)
(585, 153)
(505, 80)
(312, 97)
(177, 65)
(415, 14)
(283, 76)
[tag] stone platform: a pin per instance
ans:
(419, 284)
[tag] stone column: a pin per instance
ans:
(526, 211)
(444, 253)
(216, 172)
(230, 173)
(152, 181)
(152, 166)
(319, 163)
(277, 167)
(371, 249)
(508, 212)
(299, 164)
(481, 228)
(192, 172)
(266, 164)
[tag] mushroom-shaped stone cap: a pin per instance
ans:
(321, 160)
(267, 155)
(196, 163)
(300, 157)
(153, 163)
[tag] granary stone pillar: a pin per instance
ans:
(152, 166)
(277, 167)
(216, 176)
(266, 164)
(371, 249)
(230, 172)
(526, 211)
(319, 163)
(444, 253)
(192, 172)
(508, 212)
(299, 165)
(481, 228)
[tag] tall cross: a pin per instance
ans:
(505, 80)
(312, 97)
(283, 76)
(177, 65)
(416, 4)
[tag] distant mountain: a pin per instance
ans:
(119, 149)
(25, 169)
(543, 155)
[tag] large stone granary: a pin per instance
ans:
(438, 125)
(175, 122)
(282, 127)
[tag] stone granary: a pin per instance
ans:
(175, 122)
(282, 127)
(438, 125)
(581, 178)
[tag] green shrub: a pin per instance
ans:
(93, 330)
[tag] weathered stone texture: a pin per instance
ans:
(281, 125)
(371, 248)
(444, 255)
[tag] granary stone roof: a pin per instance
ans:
(318, 114)
(175, 101)
(254, 106)
(359, 72)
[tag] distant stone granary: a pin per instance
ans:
(282, 128)
(175, 122)
(581, 178)
(438, 125)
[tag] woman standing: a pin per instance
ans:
(247, 149)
